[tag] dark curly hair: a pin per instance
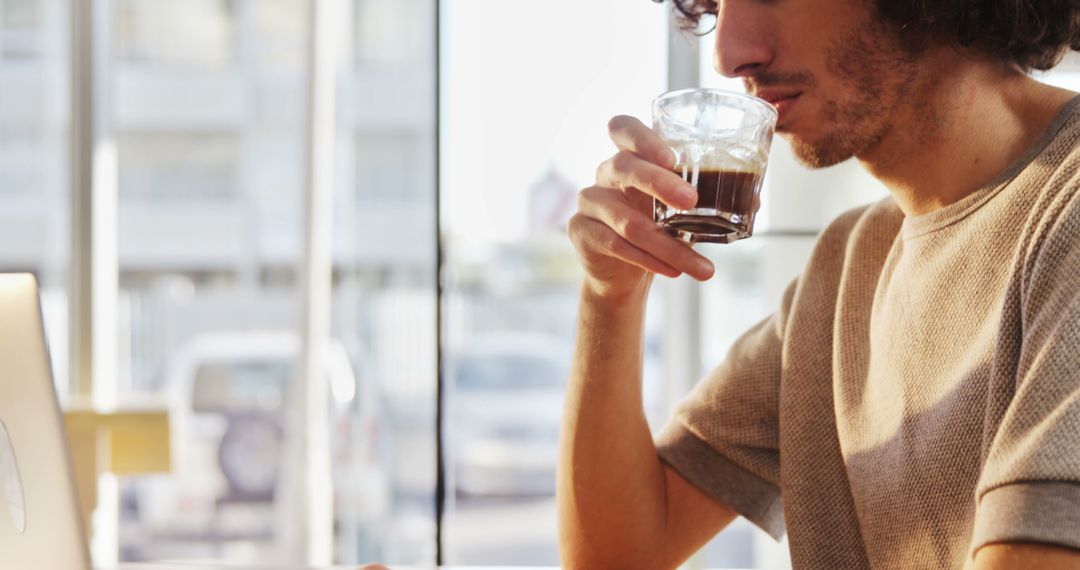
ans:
(1032, 34)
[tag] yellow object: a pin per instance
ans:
(122, 442)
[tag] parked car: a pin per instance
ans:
(227, 398)
(506, 397)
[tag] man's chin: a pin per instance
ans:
(818, 153)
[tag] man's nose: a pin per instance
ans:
(742, 39)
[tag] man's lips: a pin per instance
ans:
(775, 96)
(781, 100)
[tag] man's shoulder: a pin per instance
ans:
(1059, 161)
(879, 220)
(1054, 208)
(1056, 218)
(1049, 208)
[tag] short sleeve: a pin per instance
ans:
(724, 436)
(1030, 485)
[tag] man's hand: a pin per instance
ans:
(617, 241)
(1025, 556)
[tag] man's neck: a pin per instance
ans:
(971, 124)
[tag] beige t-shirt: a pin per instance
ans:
(917, 395)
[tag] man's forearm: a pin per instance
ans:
(610, 483)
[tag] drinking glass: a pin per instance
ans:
(721, 141)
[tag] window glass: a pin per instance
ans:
(390, 34)
(178, 166)
(21, 30)
(525, 116)
(208, 112)
(34, 159)
(20, 159)
(211, 145)
(385, 263)
(391, 166)
(281, 27)
(194, 34)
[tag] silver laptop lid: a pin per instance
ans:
(40, 524)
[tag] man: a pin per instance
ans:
(915, 401)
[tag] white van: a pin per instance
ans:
(227, 411)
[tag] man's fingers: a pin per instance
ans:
(595, 236)
(608, 206)
(614, 219)
(644, 162)
(632, 135)
(627, 170)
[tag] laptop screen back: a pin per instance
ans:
(40, 524)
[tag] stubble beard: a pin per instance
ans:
(879, 76)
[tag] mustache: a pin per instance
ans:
(768, 79)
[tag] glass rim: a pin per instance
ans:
(770, 112)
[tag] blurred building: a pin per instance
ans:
(552, 201)
(205, 101)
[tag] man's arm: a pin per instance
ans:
(1024, 556)
(619, 506)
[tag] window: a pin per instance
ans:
(389, 35)
(385, 258)
(209, 182)
(524, 117)
(212, 175)
(193, 34)
(20, 159)
(392, 167)
(20, 29)
(281, 30)
(34, 161)
(170, 167)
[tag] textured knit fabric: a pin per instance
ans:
(917, 395)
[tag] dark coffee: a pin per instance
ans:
(732, 193)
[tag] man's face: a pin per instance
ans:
(839, 78)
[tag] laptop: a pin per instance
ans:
(40, 524)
